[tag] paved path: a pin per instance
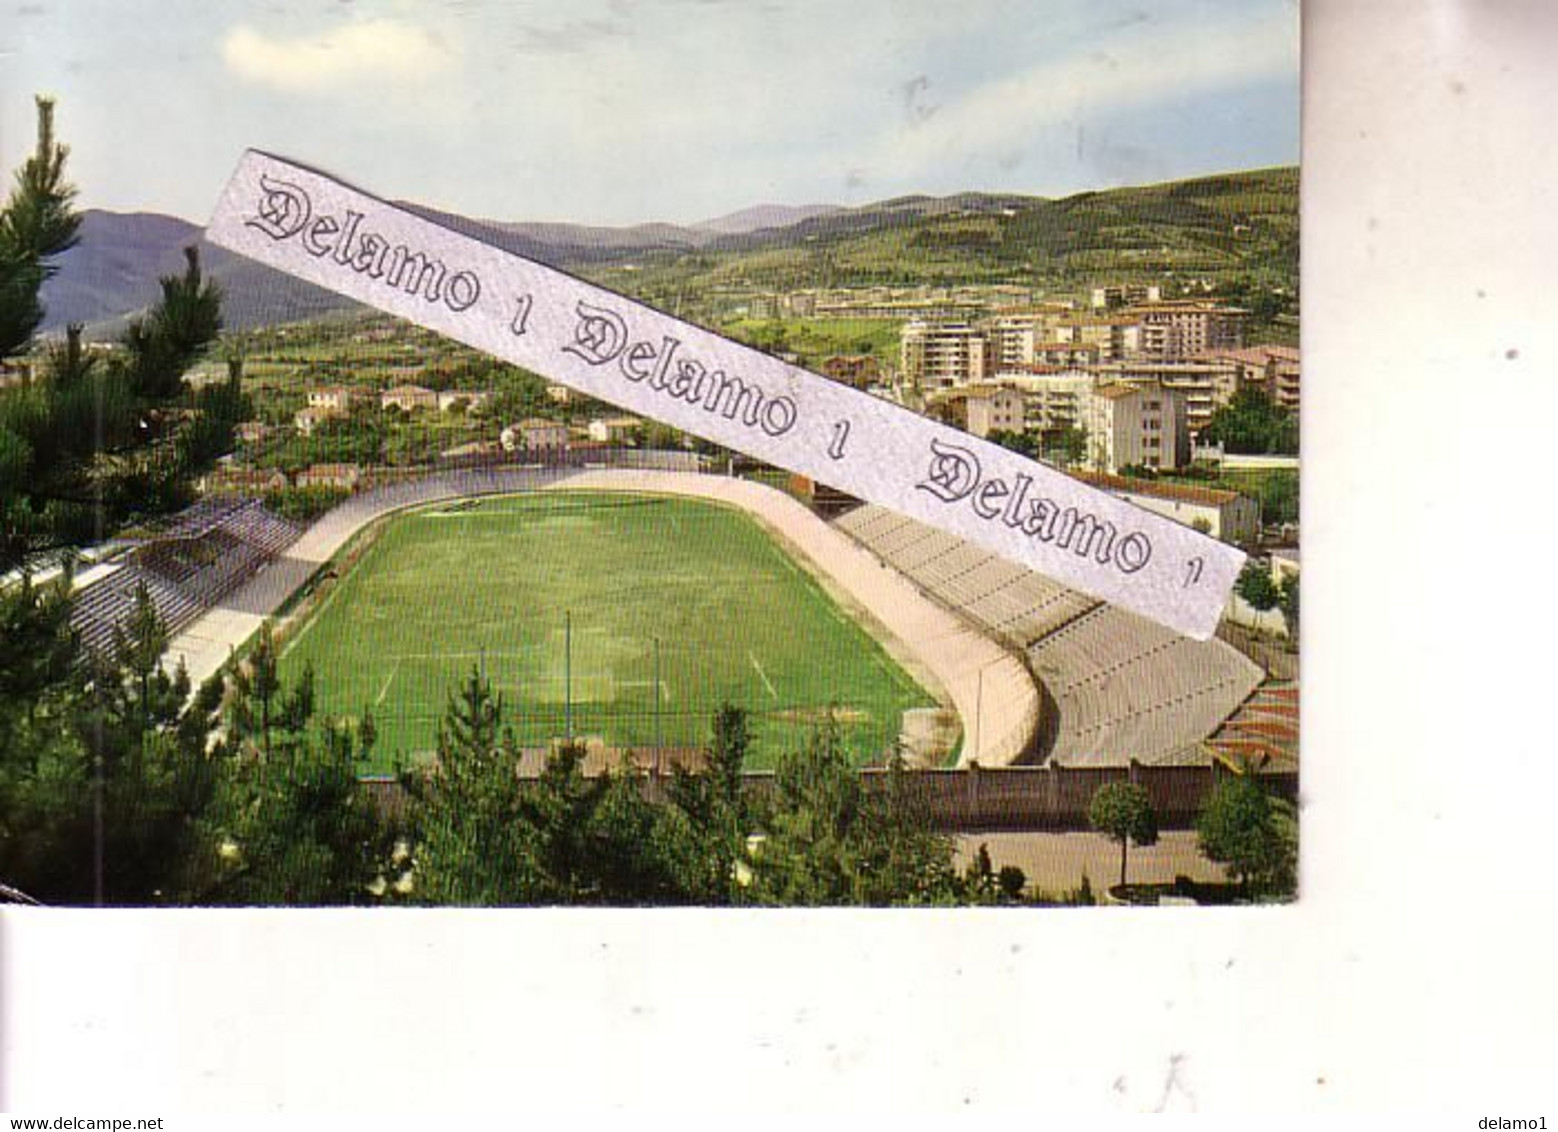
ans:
(1055, 862)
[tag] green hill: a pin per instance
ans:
(1235, 226)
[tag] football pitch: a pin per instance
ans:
(561, 598)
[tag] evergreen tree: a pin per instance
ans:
(1250, 833)
(165, 343)
(292, 827)
(471, 849)
(715, 808)
(37, 224)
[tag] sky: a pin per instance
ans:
(623, 111)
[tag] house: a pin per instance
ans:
(614, 430)
(252, 432)
(465, 400)
(408, 398)
(854, 370)
(335, 398)
(1223, 514)
(306, 421)
(534, 435)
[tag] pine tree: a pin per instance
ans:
(714, 807)
(37, 224)
(471, 847)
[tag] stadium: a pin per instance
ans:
(620, 605)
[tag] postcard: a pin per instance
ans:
(650, 455)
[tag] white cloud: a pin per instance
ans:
(376, 51)
(1151, 65)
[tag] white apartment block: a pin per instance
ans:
(989, 409)
(1206, 384)
(942, 355)
(1112, 337)
(1052, 401)
(1182, 328)
(1136, 425)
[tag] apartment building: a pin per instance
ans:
(1207, 383)
(1183, 328)
(1054, 400)
(992, 408)
(1136, 425)
(942, 355)
(1111, 337)
(1274, 369)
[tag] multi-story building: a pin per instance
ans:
(1183, 328)
(1112, 336)
(1067, 354)
(992, 408)
(1052, 400)
(1015, 333)
(1117, 295)
(942, 355)
(1206, 383)
(1274, 369)
(1136, 425)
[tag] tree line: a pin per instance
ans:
(88, 440)
(119, 786)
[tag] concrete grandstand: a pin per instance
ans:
(1034, 671)
(1117, 686)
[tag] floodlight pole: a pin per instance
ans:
(979, 708)
(568, 675)
(658, 745)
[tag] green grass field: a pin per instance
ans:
(488, 583)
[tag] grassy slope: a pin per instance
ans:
(1240, 224)
(737, 619)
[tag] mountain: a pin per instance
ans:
(762, 216)
(1241, 225)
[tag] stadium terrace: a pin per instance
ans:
(285, 211)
